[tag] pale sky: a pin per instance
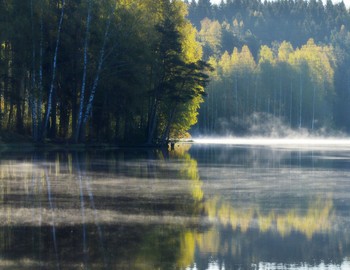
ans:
(347, 2)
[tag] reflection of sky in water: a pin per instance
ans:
(249, 207)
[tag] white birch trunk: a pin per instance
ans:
(40, 83)
(83, 83)
(54, 66)
(98, 72)
(31, 95)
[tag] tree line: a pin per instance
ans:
(285, 58)
(257, 22)
(295, 85)
(123, 71)
(132, 71)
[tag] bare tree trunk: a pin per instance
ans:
(154, 103)
(236, 95)
(166, 133)
(64, 120)
(54, 67)
(152, 122)
(7, 84)
(19, 107)
(291, 103)
(88, 109)
(83, 83)
(53, 126)
(9, 120)
(40, 83)
(31, 96)
(97, 77)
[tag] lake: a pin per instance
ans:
(228, 205)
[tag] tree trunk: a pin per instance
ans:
(39, 106)
(19, 108)
(64, 120)
(166, 133)
(53, 125)
(31, 95)
(98, 72)
(9, 120)
(83, 83)
(152, 123)
(54, 67)
(291, 103)
(236, 95)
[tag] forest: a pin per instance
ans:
(143, 71)
(126, 71)
(282, 61)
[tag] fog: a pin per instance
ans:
(308, 143)
(346, 2)
(263, 129)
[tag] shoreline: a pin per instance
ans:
(68, 146)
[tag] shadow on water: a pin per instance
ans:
(208, 206)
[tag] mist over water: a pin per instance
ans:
(200, 207)
(266, 130)
(346, 2)
(309, 143)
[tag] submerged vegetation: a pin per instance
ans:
(140, 72)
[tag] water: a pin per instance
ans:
(234, 205)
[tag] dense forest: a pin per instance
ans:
(285, 61)
(144, 71)
(125, 71)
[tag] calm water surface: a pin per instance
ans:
(248, 206)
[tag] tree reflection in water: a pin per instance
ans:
(147, 210)
(52, 210)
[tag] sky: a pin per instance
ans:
(347, 2)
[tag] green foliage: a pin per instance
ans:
(295, 85)
(151, 65)
(154, 73)
(268, 21)
(306, 87)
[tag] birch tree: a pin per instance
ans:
(84, 116)
(85, 66)
(32, 100)
(54, 67)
